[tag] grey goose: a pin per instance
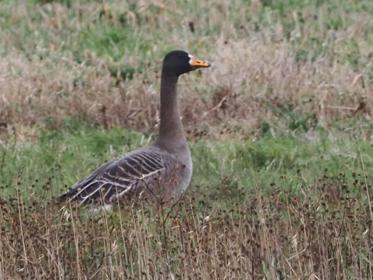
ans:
(161, 171)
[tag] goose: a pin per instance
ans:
(160, 172)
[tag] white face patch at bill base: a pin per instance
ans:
(190, 59)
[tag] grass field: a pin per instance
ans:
(280, 128)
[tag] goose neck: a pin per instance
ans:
(171, 128)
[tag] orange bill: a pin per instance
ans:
(197, 63)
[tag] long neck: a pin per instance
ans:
(171, 132)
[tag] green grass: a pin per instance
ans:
(118, 31)
(270, 162)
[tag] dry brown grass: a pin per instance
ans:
(253, 74)
(323, 232)
(37, 92)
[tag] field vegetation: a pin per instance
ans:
(280, 128)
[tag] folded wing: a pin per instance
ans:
(140, 171)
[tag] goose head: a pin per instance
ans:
(179, 62)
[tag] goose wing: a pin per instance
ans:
(134, 173)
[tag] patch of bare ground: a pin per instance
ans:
(321, 232)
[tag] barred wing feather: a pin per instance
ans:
(125, 177)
